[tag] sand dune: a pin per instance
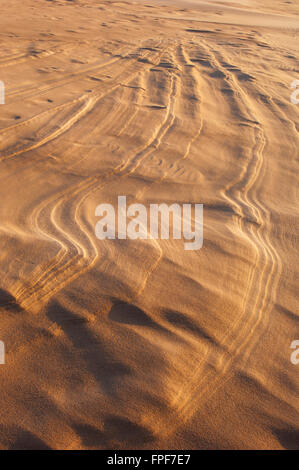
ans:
(139, 343)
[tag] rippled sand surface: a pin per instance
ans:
(142, 344)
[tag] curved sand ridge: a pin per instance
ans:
(141, 344)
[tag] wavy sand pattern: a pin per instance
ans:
(141, 344)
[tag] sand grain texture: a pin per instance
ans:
(141, 344)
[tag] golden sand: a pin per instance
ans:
(138, 343)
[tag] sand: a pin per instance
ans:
(141, 344)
